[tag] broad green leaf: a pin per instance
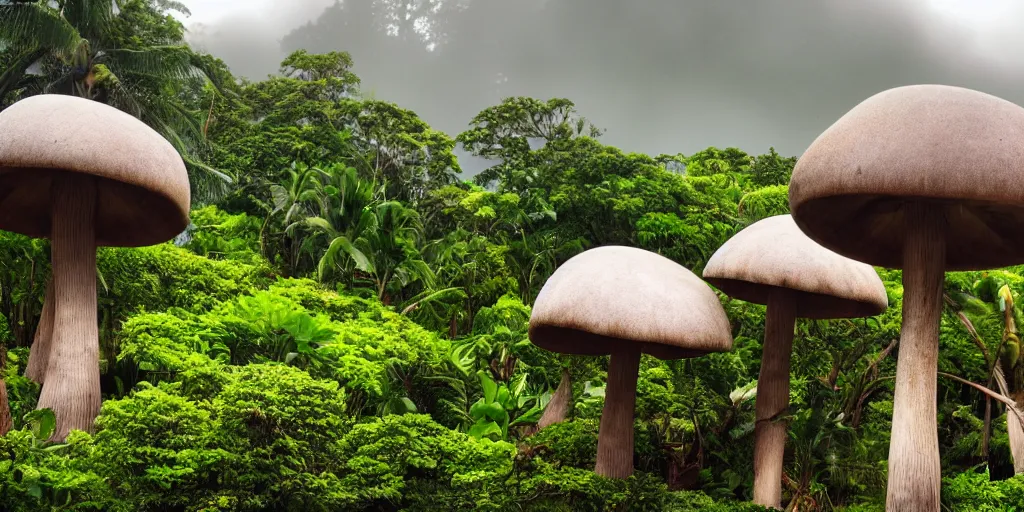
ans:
(483, 429)
(42, 423)
(489, 386)
(529, 417)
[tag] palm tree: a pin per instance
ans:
(292, 202)
(347, 226)
(124, 53)
(391, 244)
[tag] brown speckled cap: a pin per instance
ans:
(960, 149)
(605, 297)
(774, 253)
(143, 189)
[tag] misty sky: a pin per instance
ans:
(662, 76)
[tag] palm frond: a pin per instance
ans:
(208, 184)
(427, 296)
(172, 5)
(93, 18)
(11, 78)
(1011, 406)
(162, 62)
(37, 25)
(203, 68)
(171, 120)
(338, 245)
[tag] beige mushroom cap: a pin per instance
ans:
(143, 189)
(960, 149)
(774, 253)
(609, 296)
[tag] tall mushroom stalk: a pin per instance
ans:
(772, 262)
(557, 409)
(615, 436)
(914, 445)
(773, 397)
(39, 354)
(624, 302)
(84, 175)
(893, 183)
(72, 384)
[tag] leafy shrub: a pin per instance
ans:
(973, 491)
(765, 202)
(158, 449)
(411, 459)
(217, 234)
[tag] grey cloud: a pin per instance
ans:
(663, 76)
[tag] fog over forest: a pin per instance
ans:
(662, 76)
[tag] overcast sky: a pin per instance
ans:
(662, 76)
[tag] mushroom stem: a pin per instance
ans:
(773, 397)
(72, 387)
(914, 468)
(615, 437)
(558, 407)
(39, 354)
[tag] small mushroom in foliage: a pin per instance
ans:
(85, 175)
(772, 262)
(624, 302)
(927, 178)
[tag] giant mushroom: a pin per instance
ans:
(772, 262)
(927, 178)
(624, 301)
(84, 175)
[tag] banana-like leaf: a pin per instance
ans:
(484, 429)
(280, 196)
(339, 244)
(318, 223)
(453, 293)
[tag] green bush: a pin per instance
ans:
(973, 491)
(765, 202)
(217, 234)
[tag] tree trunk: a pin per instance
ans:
(72, 387)
(615, 438)
(773, 398)
(914, 467)
(39, 354)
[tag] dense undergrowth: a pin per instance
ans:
(344, 325)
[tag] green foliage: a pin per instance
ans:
(348, 329)
(771, 169)
(219, 235)
(164, 276)
(158, 449)
(410, 458)
(765, 202)
(974, 491)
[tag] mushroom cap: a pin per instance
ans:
(609, 298)
(958, 149)
(774, 253)
(142, 186)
